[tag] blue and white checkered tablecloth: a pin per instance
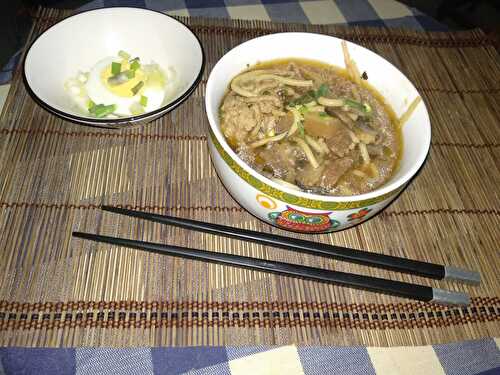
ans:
(377, 13)
(472, 357)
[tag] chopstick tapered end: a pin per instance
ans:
(81, 235)
(105, 207)
(448, 297)
(463, 275)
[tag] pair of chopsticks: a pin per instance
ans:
(398, 288)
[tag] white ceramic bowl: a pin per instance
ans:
(299, 211)
(80, 41)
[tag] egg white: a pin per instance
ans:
(155, 96)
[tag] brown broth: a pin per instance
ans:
(282, 63)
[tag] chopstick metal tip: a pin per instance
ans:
(463, 275)
(448, 297)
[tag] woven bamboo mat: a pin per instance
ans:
(55, 291)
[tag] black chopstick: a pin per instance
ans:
(415, 267)
(397, 288)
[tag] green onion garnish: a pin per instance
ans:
(144, 100)
(311, 95)
(301, 129)
(118, 79)
(137, 87)
(116, 68)
(101, 110)
(135, 64)
(90, 104)
(105, 110)
(93, 107)
(364, 108)
(129, 73)
(124, 55)
(323, 90)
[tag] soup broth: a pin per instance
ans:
(308, 126)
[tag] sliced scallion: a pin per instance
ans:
(102, 110)
(137, 87)
(90, 104)
(301, 129)
(144, 100)
(116, 68)
(323, 90)
(118, 79)
(94, 107)
(135, 64)
(124, 55)
(362, 107)
(311, 95)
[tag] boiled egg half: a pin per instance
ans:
(119, 87)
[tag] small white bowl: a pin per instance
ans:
(300, 211)
(78, 42)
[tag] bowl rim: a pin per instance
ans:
(91, 121)
(387, 189)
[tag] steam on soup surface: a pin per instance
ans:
(308, 126)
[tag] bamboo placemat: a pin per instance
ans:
(56, 291)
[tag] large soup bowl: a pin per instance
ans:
(299, 211)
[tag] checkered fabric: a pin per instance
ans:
(380, 13)
(471, 357)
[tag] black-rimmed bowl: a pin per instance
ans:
(80, 41)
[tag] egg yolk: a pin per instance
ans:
(124, 89)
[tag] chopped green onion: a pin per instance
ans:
(124, 55)
(106, 110)
(310, 96)
(323, 90)
(101, 110)
(121, 77)
(323, 114)
(118, 79)
(301, 129)
(135, 64)
(129, 73)
(116, 68)
(93, 108)
(362, 107)
(90, 104)
(137, 87)
(144, 100)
